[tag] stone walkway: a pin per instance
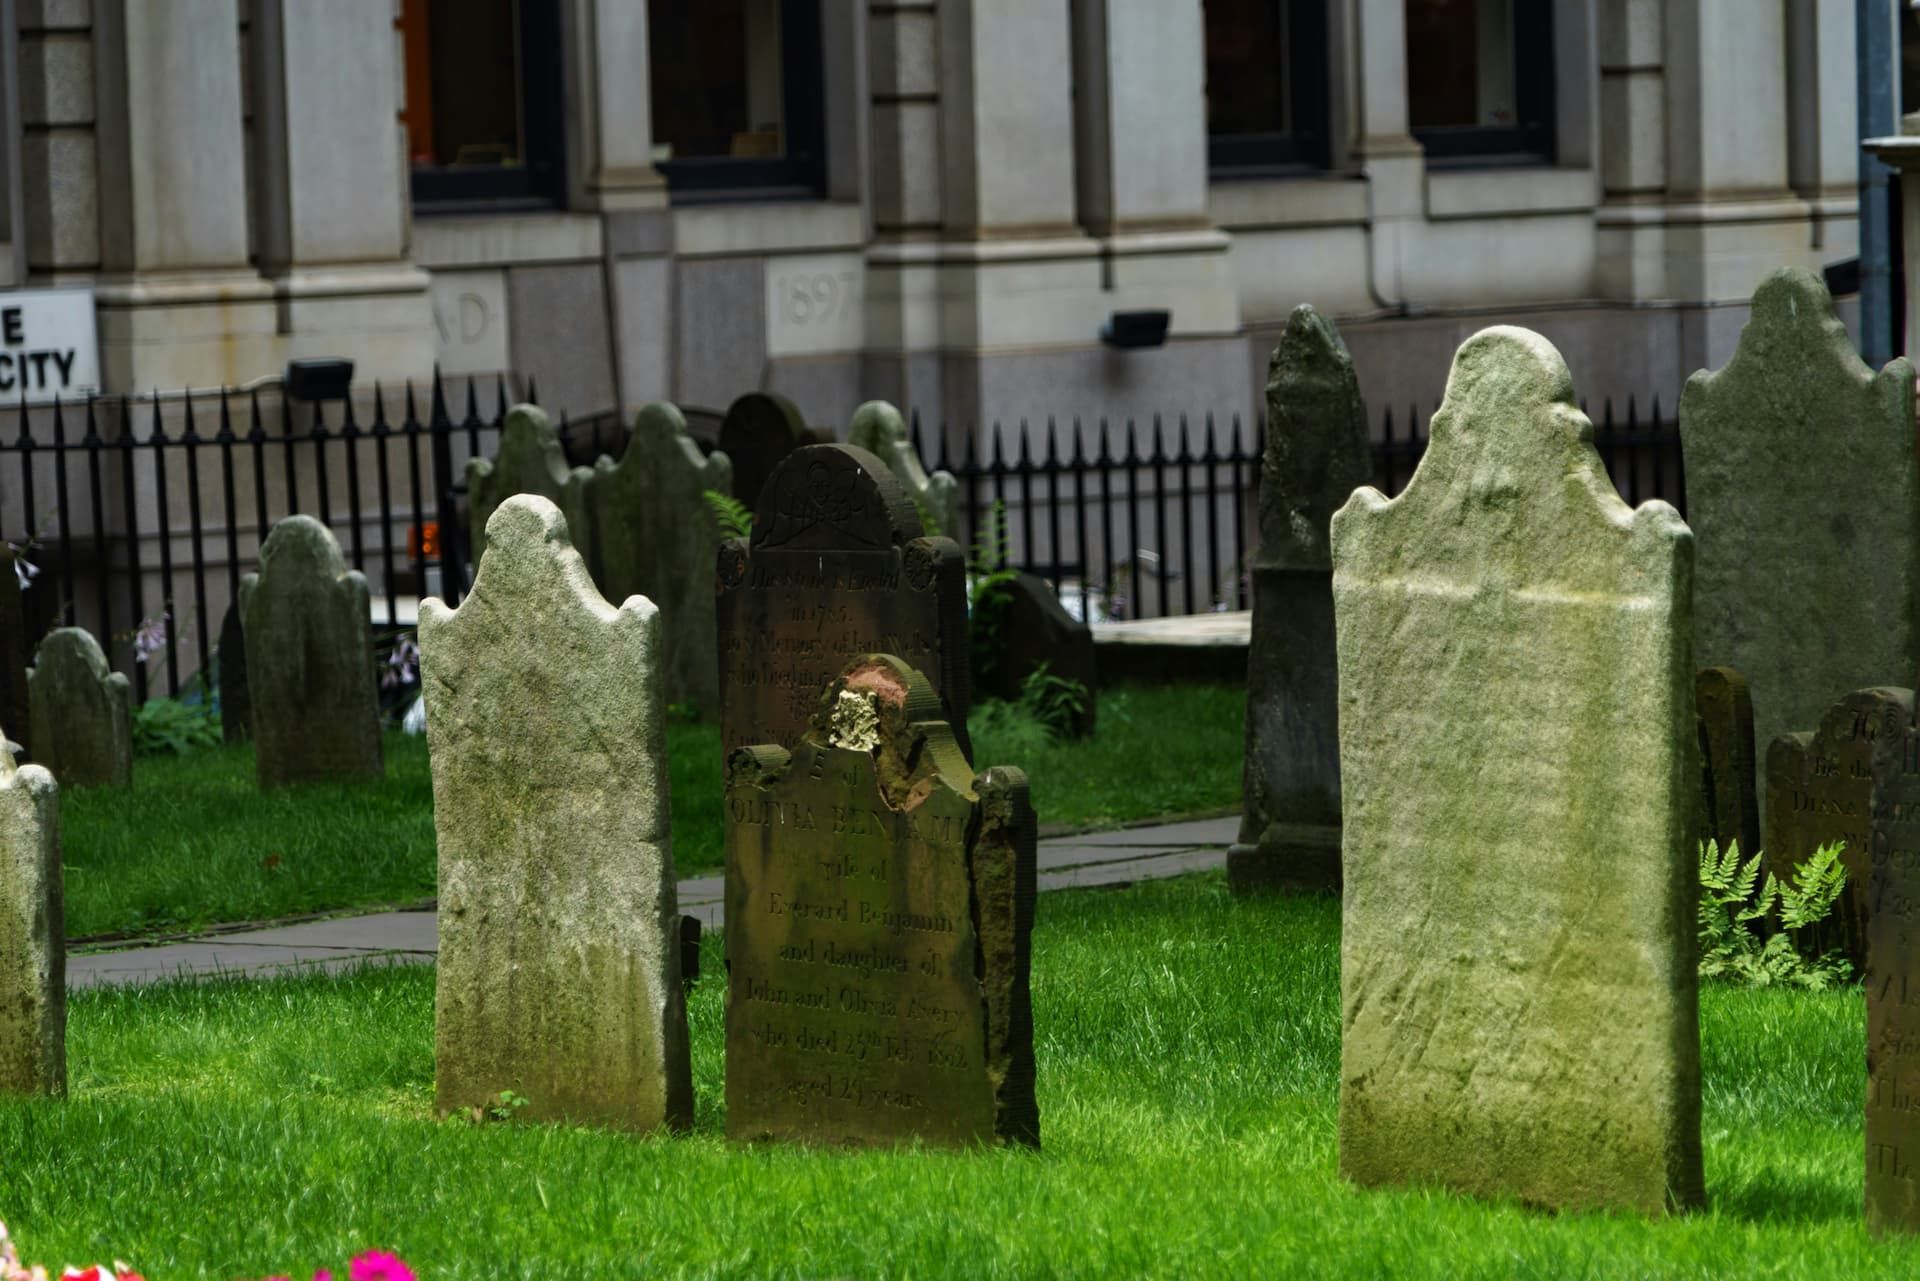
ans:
(1066, 862)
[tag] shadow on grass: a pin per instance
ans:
(1777, 1196)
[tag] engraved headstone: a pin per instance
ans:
(761, 428)
(879, 912)
(1029, 628)
(560, 933)
(1893, 987)
(1509, 634)
(836, 568)
(15, 714)
(1730, 807)
(82, 712)
(309, 642)
(879, 429)
(1803, 492)
(236, 707)
(1317, 454)
(1820, 791)
(655, 536)
(33, 987)
(530, 460)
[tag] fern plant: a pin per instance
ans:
(1738, 908)
(991, 589)
(734, 517)
(1054, 701)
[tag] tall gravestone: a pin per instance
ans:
(33, 986)
(1729, 804)
(530, 461)
(309, 643)
(836, 568)
(82, 712)
(1317, 454)
(879, 429)
(879, 915)
(1893, 986)
(559, 962)
(760, 429)
(1803, 491)
(1820, 792)
(1517, 954)
(655, 536)
(236, 706)
(15, 712)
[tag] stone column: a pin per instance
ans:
(1630, 237)
(1393, 162)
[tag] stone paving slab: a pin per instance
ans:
(1222, 831)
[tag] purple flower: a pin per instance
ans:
(403, 664)
(151, 636)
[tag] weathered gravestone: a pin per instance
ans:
(33, 985)
(835, 569)
(1730, 808)
(309, 643)
(1893, 986)
(1317, 454)
(15, 714)
(879, 912)
(236, 706)
(655, 536)
(82, 712)
(1803, 492)
(1516, 755)
(530, 461)
(761, 428)
(559, 964)
(1019, 629)
(879, 429)
(1820, 792)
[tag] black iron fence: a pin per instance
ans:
(136, 517)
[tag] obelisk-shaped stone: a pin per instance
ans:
(1518, 777)
(82, 712)
(559, 964)
(1317, 454)
(33, 995)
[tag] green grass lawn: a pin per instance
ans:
(195, 842)
(1188, 1050)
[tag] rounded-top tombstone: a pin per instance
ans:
(82, 712)
(761, 428)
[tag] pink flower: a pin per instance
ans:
(378, 1265)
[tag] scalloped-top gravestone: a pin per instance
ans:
(836, 568)
(1730, 807)
(879, 429)
(1803, 492)
(309, 642)
(33, 987)
(760, 429)
(879, 917)
(15, 708)
(529, 460)
(82, 712)
(1317, 454)
(1519, 999)
(654, 535)
(559, 961)
(1893, 985)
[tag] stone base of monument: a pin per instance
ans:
(1290, 856)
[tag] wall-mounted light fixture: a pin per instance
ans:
(319, 378)
(1128, 329)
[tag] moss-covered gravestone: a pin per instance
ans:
(836, 568)
(1317, 454)
(1803, 491)
(236, 706)
(530, 460)
(82, 712)
(559, 964)
(879, 429)
(760, 429)
(33, 992)
(1893, 986)
(1729, 805)
(879, 911)
(1517, 953)
(309, 643)
(655, 536)
(15, 713)
(1820, 792)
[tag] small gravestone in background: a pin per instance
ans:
(236, 708)
(33, 985)
(836, 568)
(530, 461)
(15, 714)
(309, 643)
(1730, 807)
(1517, 953)
(82, 712)
(761, 428)
(559, 963)
(1820, 792)
(1803, 491)
(879, 915)
(879, 429)
(655, 536)
(1893, 986)
(1317, 454)
(1031, 629)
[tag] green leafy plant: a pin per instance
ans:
(929, 519)
(169, 725)
(734, 517)
(990, 591)
(1056, 702)
(1752, 929)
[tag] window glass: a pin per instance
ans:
(1460, 63)
(1247, 75)
(483, 105)
(718, 83)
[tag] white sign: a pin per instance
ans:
(48, 345)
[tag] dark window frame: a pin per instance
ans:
(1308, 146)
(801, 173)
(1496, 146)
(540, 180)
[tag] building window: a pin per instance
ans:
(1480, 80)
(1266, 86)
(484, 113)
(736, 92)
